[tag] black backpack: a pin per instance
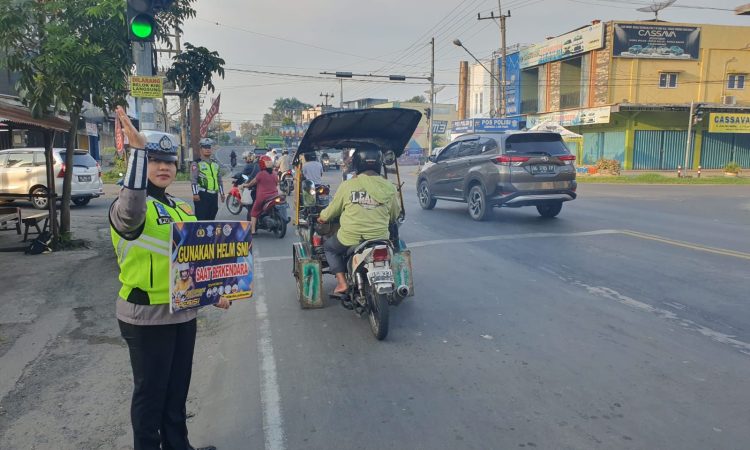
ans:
(41, 244)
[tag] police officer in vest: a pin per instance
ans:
(161, 344)
(206, 180)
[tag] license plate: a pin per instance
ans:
(380, 276)
(84, 177)
(542, 168)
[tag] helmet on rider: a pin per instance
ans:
(248, 155)
(365, 159)
(310, 157)
(265, 162)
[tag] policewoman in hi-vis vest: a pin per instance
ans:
(161, 344)
(205, 176)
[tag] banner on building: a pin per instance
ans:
(119, 137)
(729, 123)
(576, 117)
(635, 40)
(210, 116)
(569, 44)
(209, 260)
(146, 87)
(92, 129)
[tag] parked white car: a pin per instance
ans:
(23, 172)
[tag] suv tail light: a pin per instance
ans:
(507, 160)
(99, 168)
(567, 159)
(61, 174)
(380, 254)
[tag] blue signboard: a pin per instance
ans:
(487, 125)
(210, 260)
(512, 84)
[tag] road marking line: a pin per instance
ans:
(698, 247)
(688, 324)
(270, 398)
(504, 237)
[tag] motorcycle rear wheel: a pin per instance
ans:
(233, 205)
(280, 231)
(378, 314)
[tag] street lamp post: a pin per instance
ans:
(458, 43)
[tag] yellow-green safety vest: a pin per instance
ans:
(208, 177)
(144, 262)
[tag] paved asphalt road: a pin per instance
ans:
(623, 323)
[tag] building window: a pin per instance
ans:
(667, 80)
(736, 81)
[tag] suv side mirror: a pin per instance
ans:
(432, 158)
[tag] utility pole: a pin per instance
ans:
(689, 143)
(326, 96)
(341, 93)
(183, 120)
(492, 85)
(503, 49)
(432, 98)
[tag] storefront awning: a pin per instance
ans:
(16, 114)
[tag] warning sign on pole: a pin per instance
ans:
(146, 87)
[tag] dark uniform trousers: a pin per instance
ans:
(207, 207)
(162, 360)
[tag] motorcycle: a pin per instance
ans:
(234, 199)
(378, 272)
(274, 216)
(286, 182)
(315, 198)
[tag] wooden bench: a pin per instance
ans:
(10, 217)
(33, 221)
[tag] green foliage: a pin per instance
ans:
(416, 99)
(608, 166)
(655, 178)
(732, 167)
(193, 70)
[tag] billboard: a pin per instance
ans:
(635, 40)
(570, 44)
(729, 123)
(512, 84)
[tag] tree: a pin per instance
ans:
(416, 99)
(192, 71)
(68, 52)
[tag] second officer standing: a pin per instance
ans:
(205, 177)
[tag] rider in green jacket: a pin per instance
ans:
(366, 205)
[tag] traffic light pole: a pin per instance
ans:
(144, 107)
(689, 143)
(432, 100)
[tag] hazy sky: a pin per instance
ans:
(383, 36)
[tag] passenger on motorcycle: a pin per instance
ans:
(365, 205)
(312, 169)
(251, 168)
(267, 188)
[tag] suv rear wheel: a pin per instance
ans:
(426, 201)
(478, 208)
(81, 201)
(549, 210)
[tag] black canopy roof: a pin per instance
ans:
(385, 128)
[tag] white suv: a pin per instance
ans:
(22, 172)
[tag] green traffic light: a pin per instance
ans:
(142, 27)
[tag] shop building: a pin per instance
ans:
(627, 88)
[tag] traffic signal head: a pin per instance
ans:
(141, 21)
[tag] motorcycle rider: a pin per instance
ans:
(233, 159)
(365, 205)
(283, 162)
(205, 177)
(251, 168)
(267, 188)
